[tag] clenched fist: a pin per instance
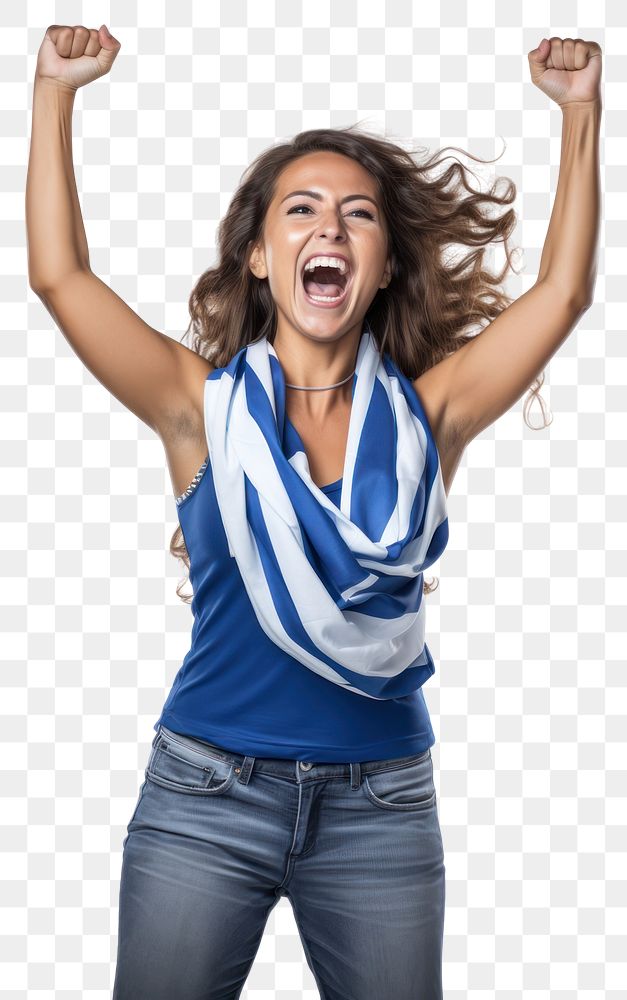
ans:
(74, 56)
(568, 70)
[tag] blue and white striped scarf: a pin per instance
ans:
(338, 589)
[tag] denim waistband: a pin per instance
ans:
(286, 766)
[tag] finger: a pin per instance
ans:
(107, 52)
(568, 53)
(581, 53)
(536, 55)
(61, 36)
(93, 45)
(80, 40)
(108, 37)
(593, 49)
(556, 58)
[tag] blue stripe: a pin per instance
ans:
(373, 590)
(386, 687)
(375, 487)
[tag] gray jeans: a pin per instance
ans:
(217, 838)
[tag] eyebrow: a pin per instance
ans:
(318, 196)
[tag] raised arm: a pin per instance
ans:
(153, 375)
(489, 373)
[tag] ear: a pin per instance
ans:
(257, 262)
(389, 272)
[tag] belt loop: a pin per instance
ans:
(355, 774)
(246, 769)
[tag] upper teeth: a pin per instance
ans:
(327, 262)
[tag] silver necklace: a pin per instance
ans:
(311, 387)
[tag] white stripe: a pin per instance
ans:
(365, 644)
(366, 366)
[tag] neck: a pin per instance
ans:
(313, 368)
(317, 388)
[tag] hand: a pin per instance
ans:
(567, 69)
(75, 56)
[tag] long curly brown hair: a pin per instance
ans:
(432, 302)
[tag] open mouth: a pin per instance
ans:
(325, 286)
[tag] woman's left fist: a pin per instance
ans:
(567, 69)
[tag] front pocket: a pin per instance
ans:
(184, 770)
(403, 788)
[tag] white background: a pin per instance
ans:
(528, 626)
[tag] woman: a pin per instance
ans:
(312, 435)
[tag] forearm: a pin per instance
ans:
(56, 240)
(569, 256)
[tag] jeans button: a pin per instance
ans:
(306, 765)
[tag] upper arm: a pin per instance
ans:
(153, 375)
(488, 374)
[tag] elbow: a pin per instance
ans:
(586, 297)
(576, 300)
(44, 287)
(580, 303)
(585, 301)
(36, 286)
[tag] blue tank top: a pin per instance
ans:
(237, 689)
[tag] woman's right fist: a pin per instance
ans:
(77, 55)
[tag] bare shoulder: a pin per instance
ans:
(433, 390)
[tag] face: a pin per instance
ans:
(340, 214)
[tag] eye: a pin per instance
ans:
(364, 211)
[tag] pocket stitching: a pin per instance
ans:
(421, 804)
(170, 753)
(192, 789)
(180, 786)
(200, 750)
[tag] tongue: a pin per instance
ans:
(322, 287)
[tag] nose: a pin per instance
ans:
(332, 226)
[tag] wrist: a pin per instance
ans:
(54, 86)
(592, 104)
